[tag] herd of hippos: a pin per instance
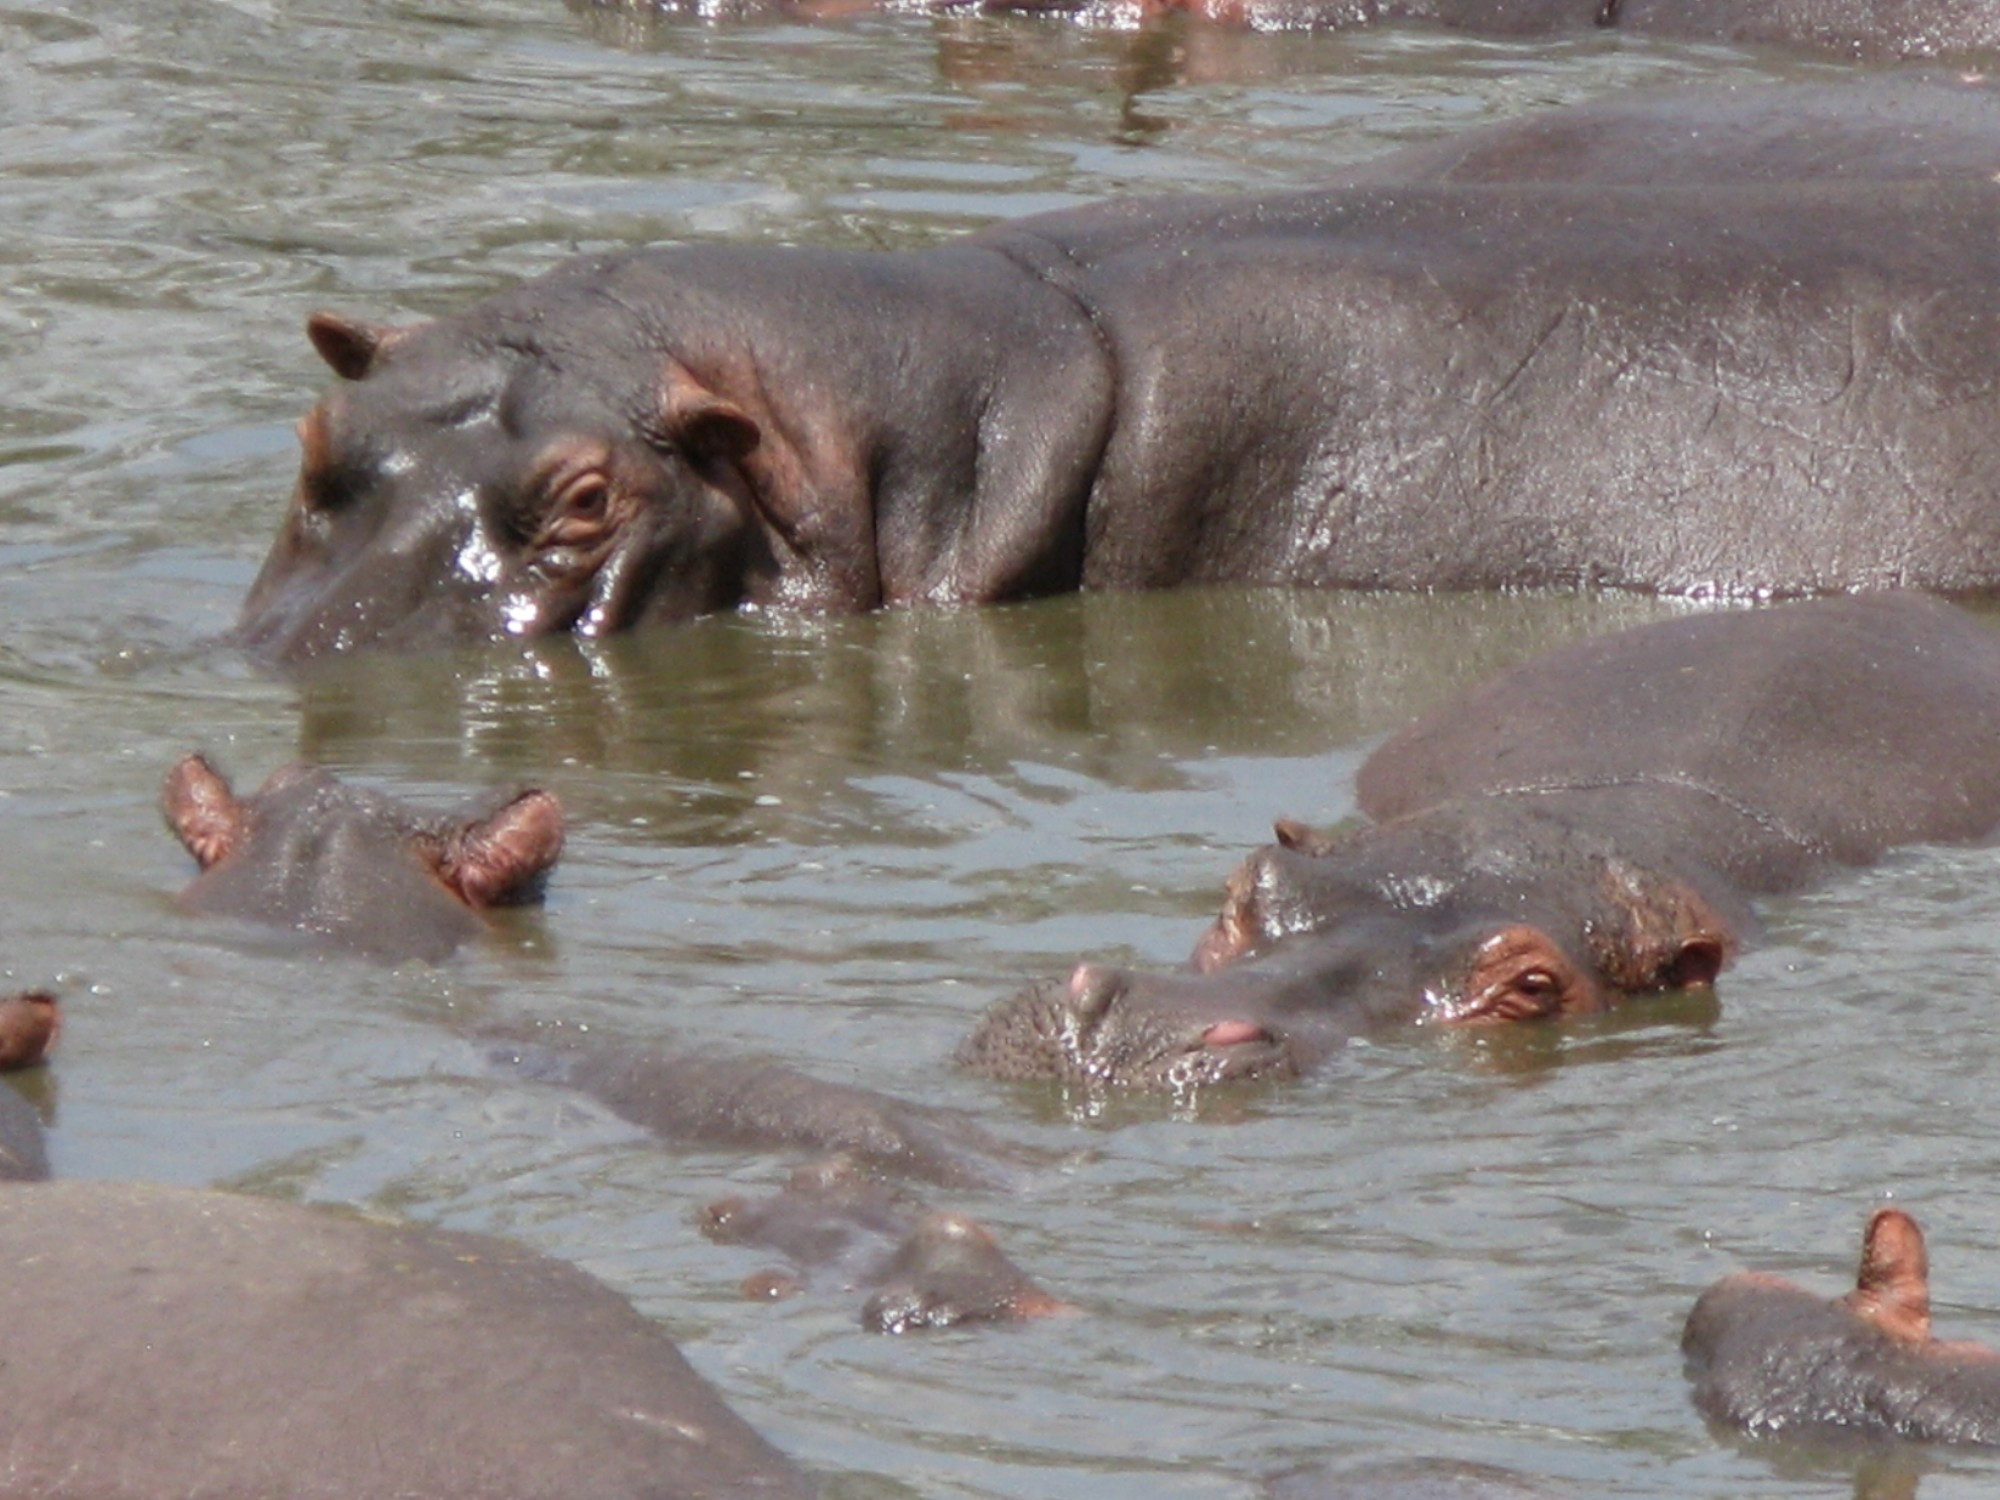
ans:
(1742, 343)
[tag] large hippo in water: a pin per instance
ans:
(1584, 827)
(1772, 1358)
(163, 1341)
(1773, 370)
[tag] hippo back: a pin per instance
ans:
(1846, 725)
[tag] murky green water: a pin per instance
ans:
(837, 840)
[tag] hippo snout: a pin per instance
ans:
(1108, 1026)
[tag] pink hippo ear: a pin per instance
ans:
(501, 858)
(349, 346)
(202, 811)
(1893, 1290)
(702, 424)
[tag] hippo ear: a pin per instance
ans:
(1893, 1290)
(202, 811)
(350, 347)
(701, 424)
(1656, 932)
(501, 859)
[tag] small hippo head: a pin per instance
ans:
(1321, 940)
(507, 473)
(1770, 1358)
(352, 868)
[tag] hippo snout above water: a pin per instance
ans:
(1586, 827)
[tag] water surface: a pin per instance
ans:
(836, 840)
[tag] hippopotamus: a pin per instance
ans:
(1386, 384)
(1771, 1358)
(1588, 826)
(926, 1268)
(351, 869)
(171, 1341)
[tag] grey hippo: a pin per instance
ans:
(1588, 826)
(1740, 342)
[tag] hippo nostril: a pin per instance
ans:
(1234, 1034)
(1092, 990)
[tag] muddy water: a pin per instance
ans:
(837, 840)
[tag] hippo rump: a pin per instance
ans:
(164, 1341)
(1771, 1358)
(1587, 826)
(1775, 371)
(351, 870)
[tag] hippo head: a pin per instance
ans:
(507, 473)
(1320, 941)
(1771, 1358)
(352, 868)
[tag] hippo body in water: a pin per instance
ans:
(352, 869)
(1576, 373)
(1771, 1358)
(175, 1342)
(1587, 826)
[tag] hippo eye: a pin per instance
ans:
(580, 512)
(1537, 983)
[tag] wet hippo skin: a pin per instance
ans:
(1771, 1358)
(207, 1344)
(351, 869)
(1520, 380)
(1585, 827)
(924, 1268)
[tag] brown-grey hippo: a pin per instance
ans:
(849, 1216)
(924, 1268)
(1774, 371)
(1587, 826)
(180, 1342)
(1771, 1358)
(351, 868)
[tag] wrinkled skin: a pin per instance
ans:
(1396, 382)
(1770, 1358)
(925, 1268)
(350, 869)
(1858, 28)
(199, 1343)
(1517, 871)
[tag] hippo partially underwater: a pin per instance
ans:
(1771, 1358)
(1743, 343)
(350, 869)
(165, 1341)
(1585, 827)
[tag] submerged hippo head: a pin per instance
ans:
(510, 472)
(1429, 920)
(351, 867)
(1770, 1357)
